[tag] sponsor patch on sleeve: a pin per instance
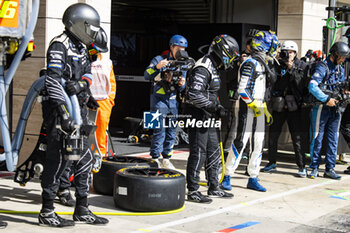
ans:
(54, 65)
(244, 96)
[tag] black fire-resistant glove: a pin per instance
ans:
(67, 122)
(75, 87)
(92, 103)
(221, 111)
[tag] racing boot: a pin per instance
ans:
(156, 160)
(196, 196)
(347, 171)
(314, 173)
(65, 197)
(226, 183)
(3, 224)
(302, 172)
(331, 174)
(167, 164)
(217, 192)
(254, 184)
(269, 167)
(48, 217)
(82, 214)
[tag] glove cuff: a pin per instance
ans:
(87, 78)
(253, 104)
(84, 84)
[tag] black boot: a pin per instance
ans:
(347, 171)
(217, 192)
(65, 197)
(48, 217)
(82, 214)
(3, 224)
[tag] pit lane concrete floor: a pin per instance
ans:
(291, 204)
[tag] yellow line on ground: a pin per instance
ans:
(101, 213)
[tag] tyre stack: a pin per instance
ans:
(139, 185)
(149, 189)
(103, 180)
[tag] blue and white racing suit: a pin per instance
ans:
(163, 139)
(252, 86)
(324, 119)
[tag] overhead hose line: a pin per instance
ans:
(335, 28)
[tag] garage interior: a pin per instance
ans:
(141, 29)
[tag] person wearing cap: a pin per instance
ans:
(163, 100)
(286, 106)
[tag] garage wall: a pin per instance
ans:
(254, 12)
(302, 21)
(248, 11)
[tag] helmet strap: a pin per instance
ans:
(172, 55)
(216, 60)
(334, 58)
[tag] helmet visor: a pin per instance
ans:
(91, 30)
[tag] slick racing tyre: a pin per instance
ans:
(149, 189)
(103, 180)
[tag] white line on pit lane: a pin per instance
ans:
(237, 206)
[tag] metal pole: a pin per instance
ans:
(10, 161)
(332, 3)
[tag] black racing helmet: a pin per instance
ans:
(83, 21)
(340, 49)
(225, 48)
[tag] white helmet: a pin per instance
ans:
(290, 45)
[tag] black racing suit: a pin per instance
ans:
(202, 100)
(288, 88)
(67, 59)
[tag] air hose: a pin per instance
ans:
(335, 28)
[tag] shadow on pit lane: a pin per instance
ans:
(21, 195)
(337, 221)
(12, 218)
(103, 201)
